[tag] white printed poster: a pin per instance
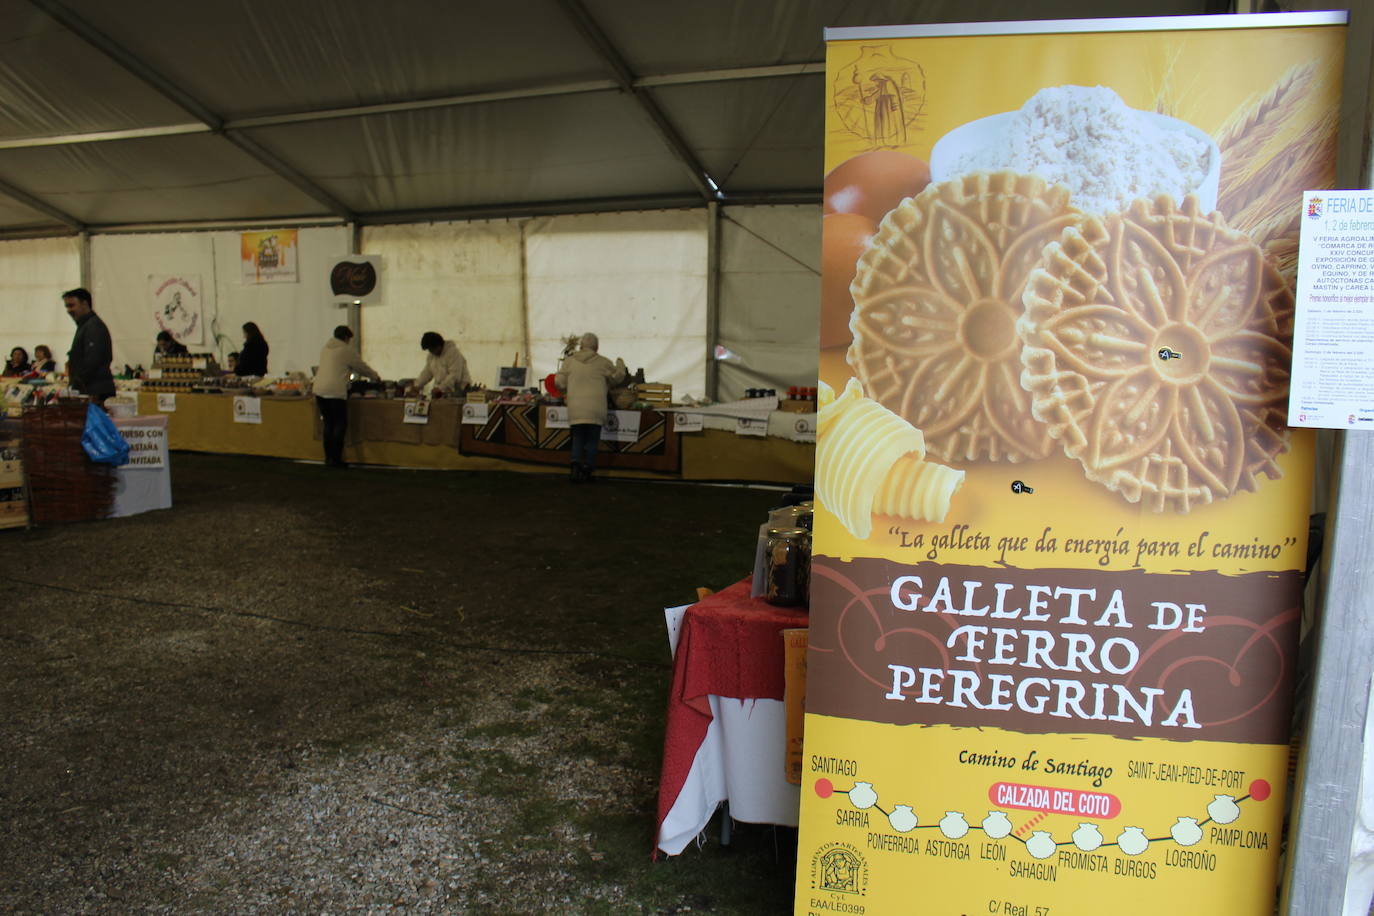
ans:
(177, 306)
(417, 411)
(166, 401)
(247, 410)
(555, 418)
(1333, 334)
(621, 426)
(475, 413)
(147, 446)
(688, 422)
(748, 426)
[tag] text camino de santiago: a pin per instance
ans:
(1015, 645)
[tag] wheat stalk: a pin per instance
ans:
(1258, 121)
(1306, 162)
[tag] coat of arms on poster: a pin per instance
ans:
(268, 257)
(356, 279)
(177, 306)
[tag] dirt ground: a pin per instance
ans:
(304, 690)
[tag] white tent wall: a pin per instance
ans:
(636, 280)
(296, 318)
(33, 275)
(769, 298)
(460, 279)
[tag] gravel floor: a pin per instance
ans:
(312, 691)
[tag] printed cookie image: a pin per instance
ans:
(937, 296)
(1157, 349)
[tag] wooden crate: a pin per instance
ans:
(654, 393)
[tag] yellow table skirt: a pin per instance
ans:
(290, 429)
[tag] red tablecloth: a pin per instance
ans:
(729, 645)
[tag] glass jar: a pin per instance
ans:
(788, 558)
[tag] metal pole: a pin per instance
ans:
(355, 311)
(712, 298)
(84, 257)
(1327, 799)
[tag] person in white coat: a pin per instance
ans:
(338, 360)
(584, 378)
(444, 364)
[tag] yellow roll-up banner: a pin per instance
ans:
(1061, 523)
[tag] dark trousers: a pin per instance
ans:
(585, 438)
(334, 412)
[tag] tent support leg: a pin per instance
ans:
(712, 298)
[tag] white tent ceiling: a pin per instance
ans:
(158, 113)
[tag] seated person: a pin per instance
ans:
(18, 363)
(167, 345)
(42, 360)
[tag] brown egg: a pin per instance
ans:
(874, 183)
(843, 238)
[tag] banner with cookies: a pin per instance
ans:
(1061, 525)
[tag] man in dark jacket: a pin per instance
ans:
(88, 361)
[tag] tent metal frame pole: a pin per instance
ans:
(735, 74)
(591, 30)
(712, 298)
(1326, 798)
(42, 206)
(84, 257)
(354, 312)
(140, 69)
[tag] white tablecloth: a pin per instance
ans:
(740, 761)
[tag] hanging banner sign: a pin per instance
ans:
(268, 257)
(1061, 520)
(177, 306)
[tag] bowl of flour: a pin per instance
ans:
(1091, 142)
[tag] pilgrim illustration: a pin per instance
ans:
(902, 819)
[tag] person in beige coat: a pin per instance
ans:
(584, 377)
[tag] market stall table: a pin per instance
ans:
(288, 427)
(725, 737)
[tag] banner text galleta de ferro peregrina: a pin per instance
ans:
(1026, 649)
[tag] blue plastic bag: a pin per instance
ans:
(101, 438)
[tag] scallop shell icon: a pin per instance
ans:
(953, 825)
(1223, 809)
(862, 795)
(1132, 841)
(1186, 832)
(996, 825)
(902, 818)
(1041, 845)
(1087, 837)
